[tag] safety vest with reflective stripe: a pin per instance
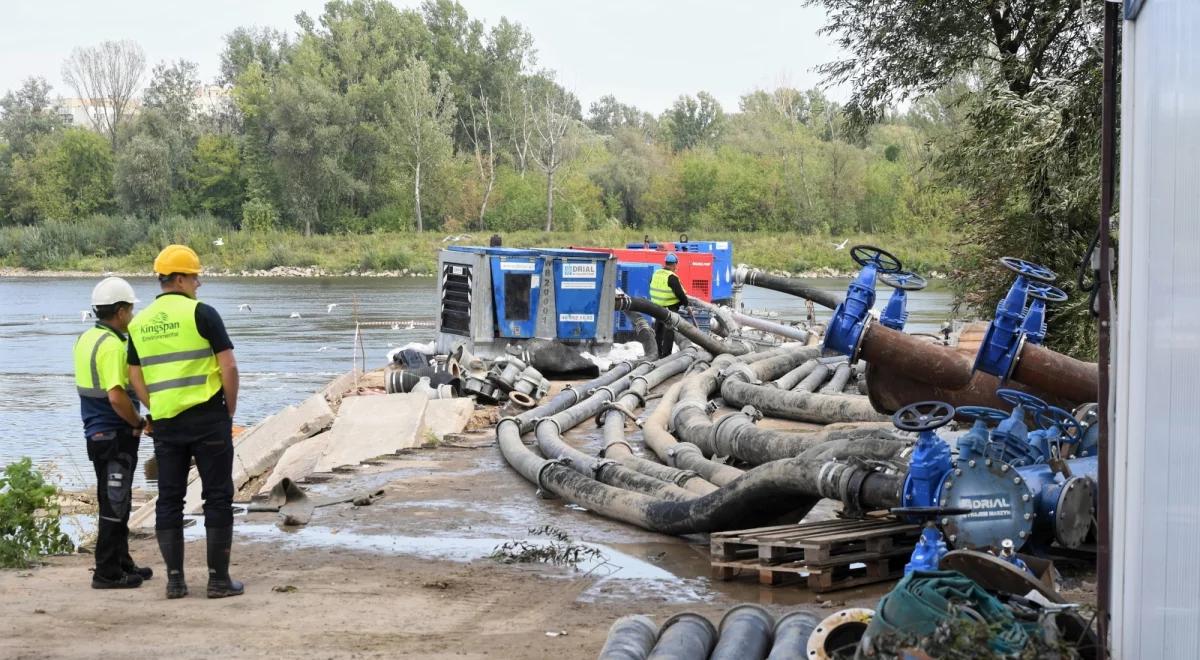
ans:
(660, 289)
(177, 363)
(87, 370)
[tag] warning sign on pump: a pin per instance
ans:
(582, 318)
(579, 269)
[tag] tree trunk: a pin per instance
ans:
(417, 196)
(549, 200)
(487, 192)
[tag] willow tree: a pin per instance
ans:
(424, 116)
(1026, 149)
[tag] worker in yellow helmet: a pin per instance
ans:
(667, 291)
(181, 363)
(113, 428)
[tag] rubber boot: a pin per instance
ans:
(220, 585)
(170, 543)
(144, 572)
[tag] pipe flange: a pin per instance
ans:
(838, 631)
(1012, 364)
(522, 399)
(861, 336)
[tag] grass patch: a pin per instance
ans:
(127, 244)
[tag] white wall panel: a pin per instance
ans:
(1156, 456)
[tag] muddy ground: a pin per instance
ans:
(407, 576)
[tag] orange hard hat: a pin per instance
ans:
(177, 259)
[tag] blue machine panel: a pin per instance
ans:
(634, 280)
(516, 290)
(578, 276)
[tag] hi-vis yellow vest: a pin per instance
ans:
(660, 290)
(90, 379)
(178, 364)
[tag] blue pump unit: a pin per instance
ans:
(849, 321)
(579, 284)
(516, 290)
(998, 351)
(634, 280)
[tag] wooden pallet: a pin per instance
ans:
(832, 554)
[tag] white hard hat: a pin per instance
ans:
(112, 290)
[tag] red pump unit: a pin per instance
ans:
(695, 269)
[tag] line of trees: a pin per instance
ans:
(378, 118)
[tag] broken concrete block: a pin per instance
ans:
(370, 426)
(444, 416)
(299, 461)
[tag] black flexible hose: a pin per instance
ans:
(792, 631)
(795, 376)
(675, 321)
(746, 633)
(685, 636)
(631, 637)
(792, 287)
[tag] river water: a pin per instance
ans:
(283, 358)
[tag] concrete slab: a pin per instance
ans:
(255, 451)
(444, 416)
(370, 426)
(299, 460)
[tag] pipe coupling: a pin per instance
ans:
(741, 371)
(681, 406)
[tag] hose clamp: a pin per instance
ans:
(604, 450)
(612, 394)
(681, 406)
(574, 392)
(549, 420)
(683, 476)
(541, 483)
(515, 419)
(740, 369)
(852, 493)
(599, 465)
(753, 413)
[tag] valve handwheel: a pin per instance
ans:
(883, 260)
(1028, 269)
(904, 280)
(923, 416)
(981, 412)
(1046, 292)
(1032, 404)
(1063, 419)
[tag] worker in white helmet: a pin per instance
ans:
(113, 428)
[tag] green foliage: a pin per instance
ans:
(259, 215)
(693, 121)
(29, 526)
(216, 180)
(143, 176)
(69, 176)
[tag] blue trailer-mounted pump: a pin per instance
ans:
(849, 321)
(494, 297)
(895, 313)
(1010, 327)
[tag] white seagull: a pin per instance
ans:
(85, 315)
(244, 307)
(219, 242)
(294, 315)
(840, 246)
(323, 348)
(329, 308)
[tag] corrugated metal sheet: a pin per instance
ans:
(1156, 517)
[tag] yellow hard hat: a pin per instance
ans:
(177, 259)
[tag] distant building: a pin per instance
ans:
(210, 101)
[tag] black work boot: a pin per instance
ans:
(220, 585)
(128, 565)
(126, 581)
(170, 543)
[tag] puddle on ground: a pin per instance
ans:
(666, 572)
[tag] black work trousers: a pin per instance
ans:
(206, 437)
(114, 456)
(664, 335)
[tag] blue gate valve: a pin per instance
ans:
(849, 320)
(931, 457)
(1058, 427)
(998, 352)
(973, 443)
(895, 313)
(1012, 441)
(1034, 325)
(931, 547)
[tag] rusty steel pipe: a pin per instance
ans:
(890, 390)
(918, 358)
(1042, 369)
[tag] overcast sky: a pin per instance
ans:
(645, 52)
